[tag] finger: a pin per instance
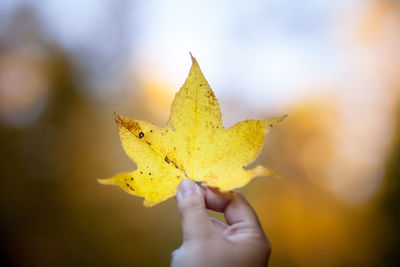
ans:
(240, 211)
(191, 206)
(234, 206)
(216, 200)
(220, 226)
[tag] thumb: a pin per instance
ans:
(192, 208)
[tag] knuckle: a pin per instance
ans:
(265, 245)
(238, 194)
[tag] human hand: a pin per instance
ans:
(209, 242)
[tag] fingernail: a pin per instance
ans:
(187, 187)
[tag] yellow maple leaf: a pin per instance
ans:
(193, 145)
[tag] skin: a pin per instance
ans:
(209, 242)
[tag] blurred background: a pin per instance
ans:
(333, 66)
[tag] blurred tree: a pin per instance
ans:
(33, 157)
(51, 210)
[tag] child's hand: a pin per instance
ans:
(209, 242)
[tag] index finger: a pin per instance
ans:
(234, 206)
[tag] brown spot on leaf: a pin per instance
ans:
(130, 125)
(210, 94)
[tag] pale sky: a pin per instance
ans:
(276, 51)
